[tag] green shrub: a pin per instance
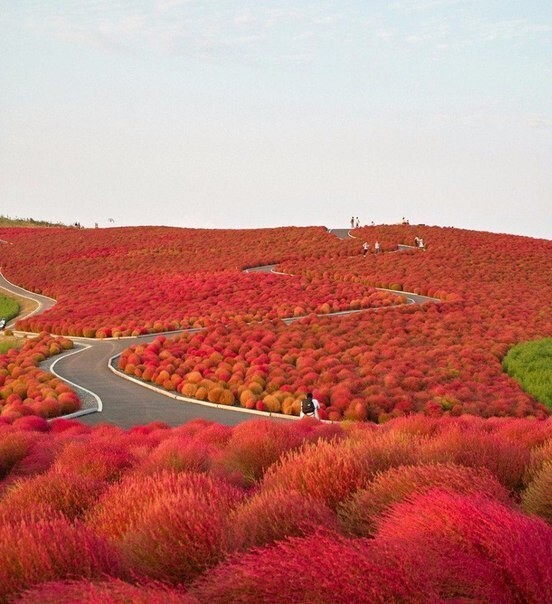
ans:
(530, 363)
(9, 308)
(9, 343)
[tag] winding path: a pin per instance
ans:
(128, 402)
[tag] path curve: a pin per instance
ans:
(128, 402)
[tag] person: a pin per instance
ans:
(416, 241)
(357, 223)
(421, 244)
(310, 407)
(377, 247)
(352, 222)
(365, 248)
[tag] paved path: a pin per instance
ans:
(126, 403)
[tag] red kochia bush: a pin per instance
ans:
(31, 553)
(320, 568)
(510, 550)
(178, 536)
(270, 516)
(471, 446)
(55, 492)
(255, 446)
(97, 459)
(107, 591)
(179, 454)
(331, 471)
(360, 512)
(169, 526)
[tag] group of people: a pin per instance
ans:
(355, 222)
(366, 248)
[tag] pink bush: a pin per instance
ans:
(254, 446)
(319, 568)
(107, 591)
(121, 505)
(179, 454)
(176, 536)
(47, 550)
(360, 513)
(91, 457)
(510, 549)
(169, 526)
(57, 492)
(14, 446)
(332, 471)
(473, 447)
(274, 515)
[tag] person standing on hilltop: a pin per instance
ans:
(352, 222)
(310, 407)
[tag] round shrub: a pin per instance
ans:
(272, 516)
(360, 512)
(48, 550)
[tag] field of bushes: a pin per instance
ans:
(25, 388)
(449, 499)
(418, 510)
(437, 358)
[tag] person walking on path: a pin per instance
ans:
(377, 247)
(365, 248)
(310, 407)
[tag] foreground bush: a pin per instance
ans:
(469, 545)
(168, 526)
(107, 591)
(360, 513)
(332, 471)
(270, 516)
(320, 568)
(34, 552)
(111, 513)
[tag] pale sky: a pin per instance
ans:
(238, 113)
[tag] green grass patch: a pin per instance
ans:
(6, 221)
(530, 363)
(9, 342)
(9, 308)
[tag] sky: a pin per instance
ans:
(241, 114)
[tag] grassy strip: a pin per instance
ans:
(530, 363)
(9, 308)
(6, 221)
(9, 342)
